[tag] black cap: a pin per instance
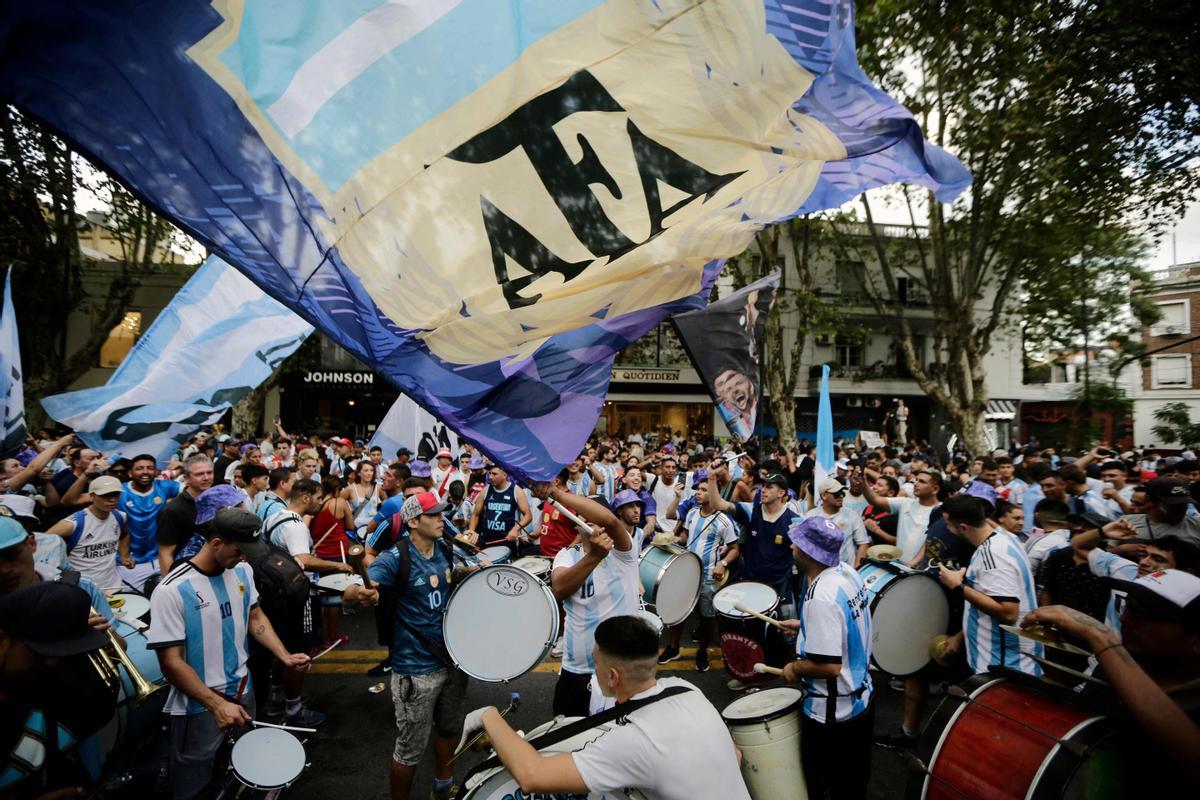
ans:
(1169, 491)
(51, 619)
(776, 479)
(404, 451)
(239, 526)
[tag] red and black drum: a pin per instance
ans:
(745, 639)
(1007, 739)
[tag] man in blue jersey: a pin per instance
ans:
(143, 499)
(502, 512)
(998, 589)
(833, 645)
(202, 614)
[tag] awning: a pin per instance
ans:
(1001, 409)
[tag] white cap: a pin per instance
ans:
(830, 485)
(1171, 592)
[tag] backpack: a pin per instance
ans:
(283, 585)
(389, 596)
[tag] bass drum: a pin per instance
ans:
(908, 609)
(499, 784)
(1015, 738)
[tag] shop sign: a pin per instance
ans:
(653, 375)
(366, 378)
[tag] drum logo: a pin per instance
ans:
(504, 582)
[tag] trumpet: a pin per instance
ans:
(108, 665)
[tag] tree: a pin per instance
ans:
(1075, 119)
(41, 183)
(1177, 425)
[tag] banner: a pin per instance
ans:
(408, 425)
(217, 339)
(482, 201)
(12, 386)
(824, 455)
(724, 341)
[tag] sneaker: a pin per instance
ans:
(898, 741)
(306, 718)
(701, 661)
(446, 795)
(896, 684)
(275, 708)
(670, 654)
(380, 670)
(557, 650)
(736, 685)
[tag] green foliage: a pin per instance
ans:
(1177, 425)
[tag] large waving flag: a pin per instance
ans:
(217, 339)
(408, 425)
(482, 200)
(12, 386)
(724, 341)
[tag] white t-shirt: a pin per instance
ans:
(911, 524)
(289, 532)
(442, 478)
(854, 531)
(1040, 549)
(611, 590)
(675, 749)
(92, 547)
(663, 494)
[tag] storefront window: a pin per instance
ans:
(658, 348)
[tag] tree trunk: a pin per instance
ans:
(248, 412)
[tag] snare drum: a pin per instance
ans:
(499, 784)
(496, 554)
(264, 762)
(500, 623)
(765, 726)
(338, 582)
(670, 577)
(537, 566)
(908, 609)
(1026, 726)
(745, 639)
(134, 609)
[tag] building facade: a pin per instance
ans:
(1170, 371)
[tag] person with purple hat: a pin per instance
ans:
(833, 645)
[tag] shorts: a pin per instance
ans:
(572, 694)
(195, 741)
(708, 587)
(136, 577)
(423, 702)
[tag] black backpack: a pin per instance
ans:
(283, 585)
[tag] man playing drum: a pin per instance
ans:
(595, 578)
(834, 648)
(674, 748)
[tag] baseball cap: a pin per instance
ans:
(830, 485)
(1168, 594)
(419, 469)
(420, 504)
(239, 526)
(20, 505)
(625, 497)
(51, 619)
(776, 479)
(404, 451)
(105, 484)
(1169, 491)
(12, 533)
(842, 463)
(1089, 518)
(817, 538)
(476, 461)
(444, 453)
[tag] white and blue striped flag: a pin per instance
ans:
(219, 338)
(11, 384)
(825, 465)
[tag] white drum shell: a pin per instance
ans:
(770, 744)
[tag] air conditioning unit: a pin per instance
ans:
(854, 402)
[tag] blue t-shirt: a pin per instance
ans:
(420, 605)
(766, 550)
(141, 511)
(389, 507)
(500, 514)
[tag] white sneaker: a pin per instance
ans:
(736, 685)
(557, 650)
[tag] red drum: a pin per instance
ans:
(1010, 740)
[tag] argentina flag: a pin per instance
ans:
(217, 339)
(12, 385)
(483, 201)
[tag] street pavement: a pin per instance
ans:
(349, 755)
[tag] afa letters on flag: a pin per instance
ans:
(484, 201)
(724, 341)
(218, 338)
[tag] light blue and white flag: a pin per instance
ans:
(408, 425)
(12, 387)
(219, 338)
(824, 466)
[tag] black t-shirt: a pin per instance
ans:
(220, 465)
(766, 551)
(177, 522)
(1074, 585)
(942, 545)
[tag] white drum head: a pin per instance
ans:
(497, 554)
(751, 594)
(679, 588)
(266, 758)
(538, 566)
(908, 614)
(499, 623)
(765, 704)
(339, 581)
(135, 606)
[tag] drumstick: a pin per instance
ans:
(763, 617)
(336, 642)
(571, 515)
(258, 724)
(326, 533)
(764, 669)
(342, 547)
(355, 557)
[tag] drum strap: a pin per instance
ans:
(579, 726)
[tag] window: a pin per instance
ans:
(1171, 372)
(121, 340)
(1176, 318)
(851, 276)
(849, 351)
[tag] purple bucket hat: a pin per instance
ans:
(983, 491)
(213, 500)
(625, 497)
(818, 538)
(419, 469)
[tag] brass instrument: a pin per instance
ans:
(108, 665)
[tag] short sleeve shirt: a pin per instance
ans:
(835, 627)
(610, 590)
(912, 521)
(1000, 569)
(420, 605)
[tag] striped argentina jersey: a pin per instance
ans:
(1000, 569)
(611, 590)
(581, 487)
(707, 534)
(209, 615)
(611, 472)
(835, 625)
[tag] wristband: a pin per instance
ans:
(1109, 647)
